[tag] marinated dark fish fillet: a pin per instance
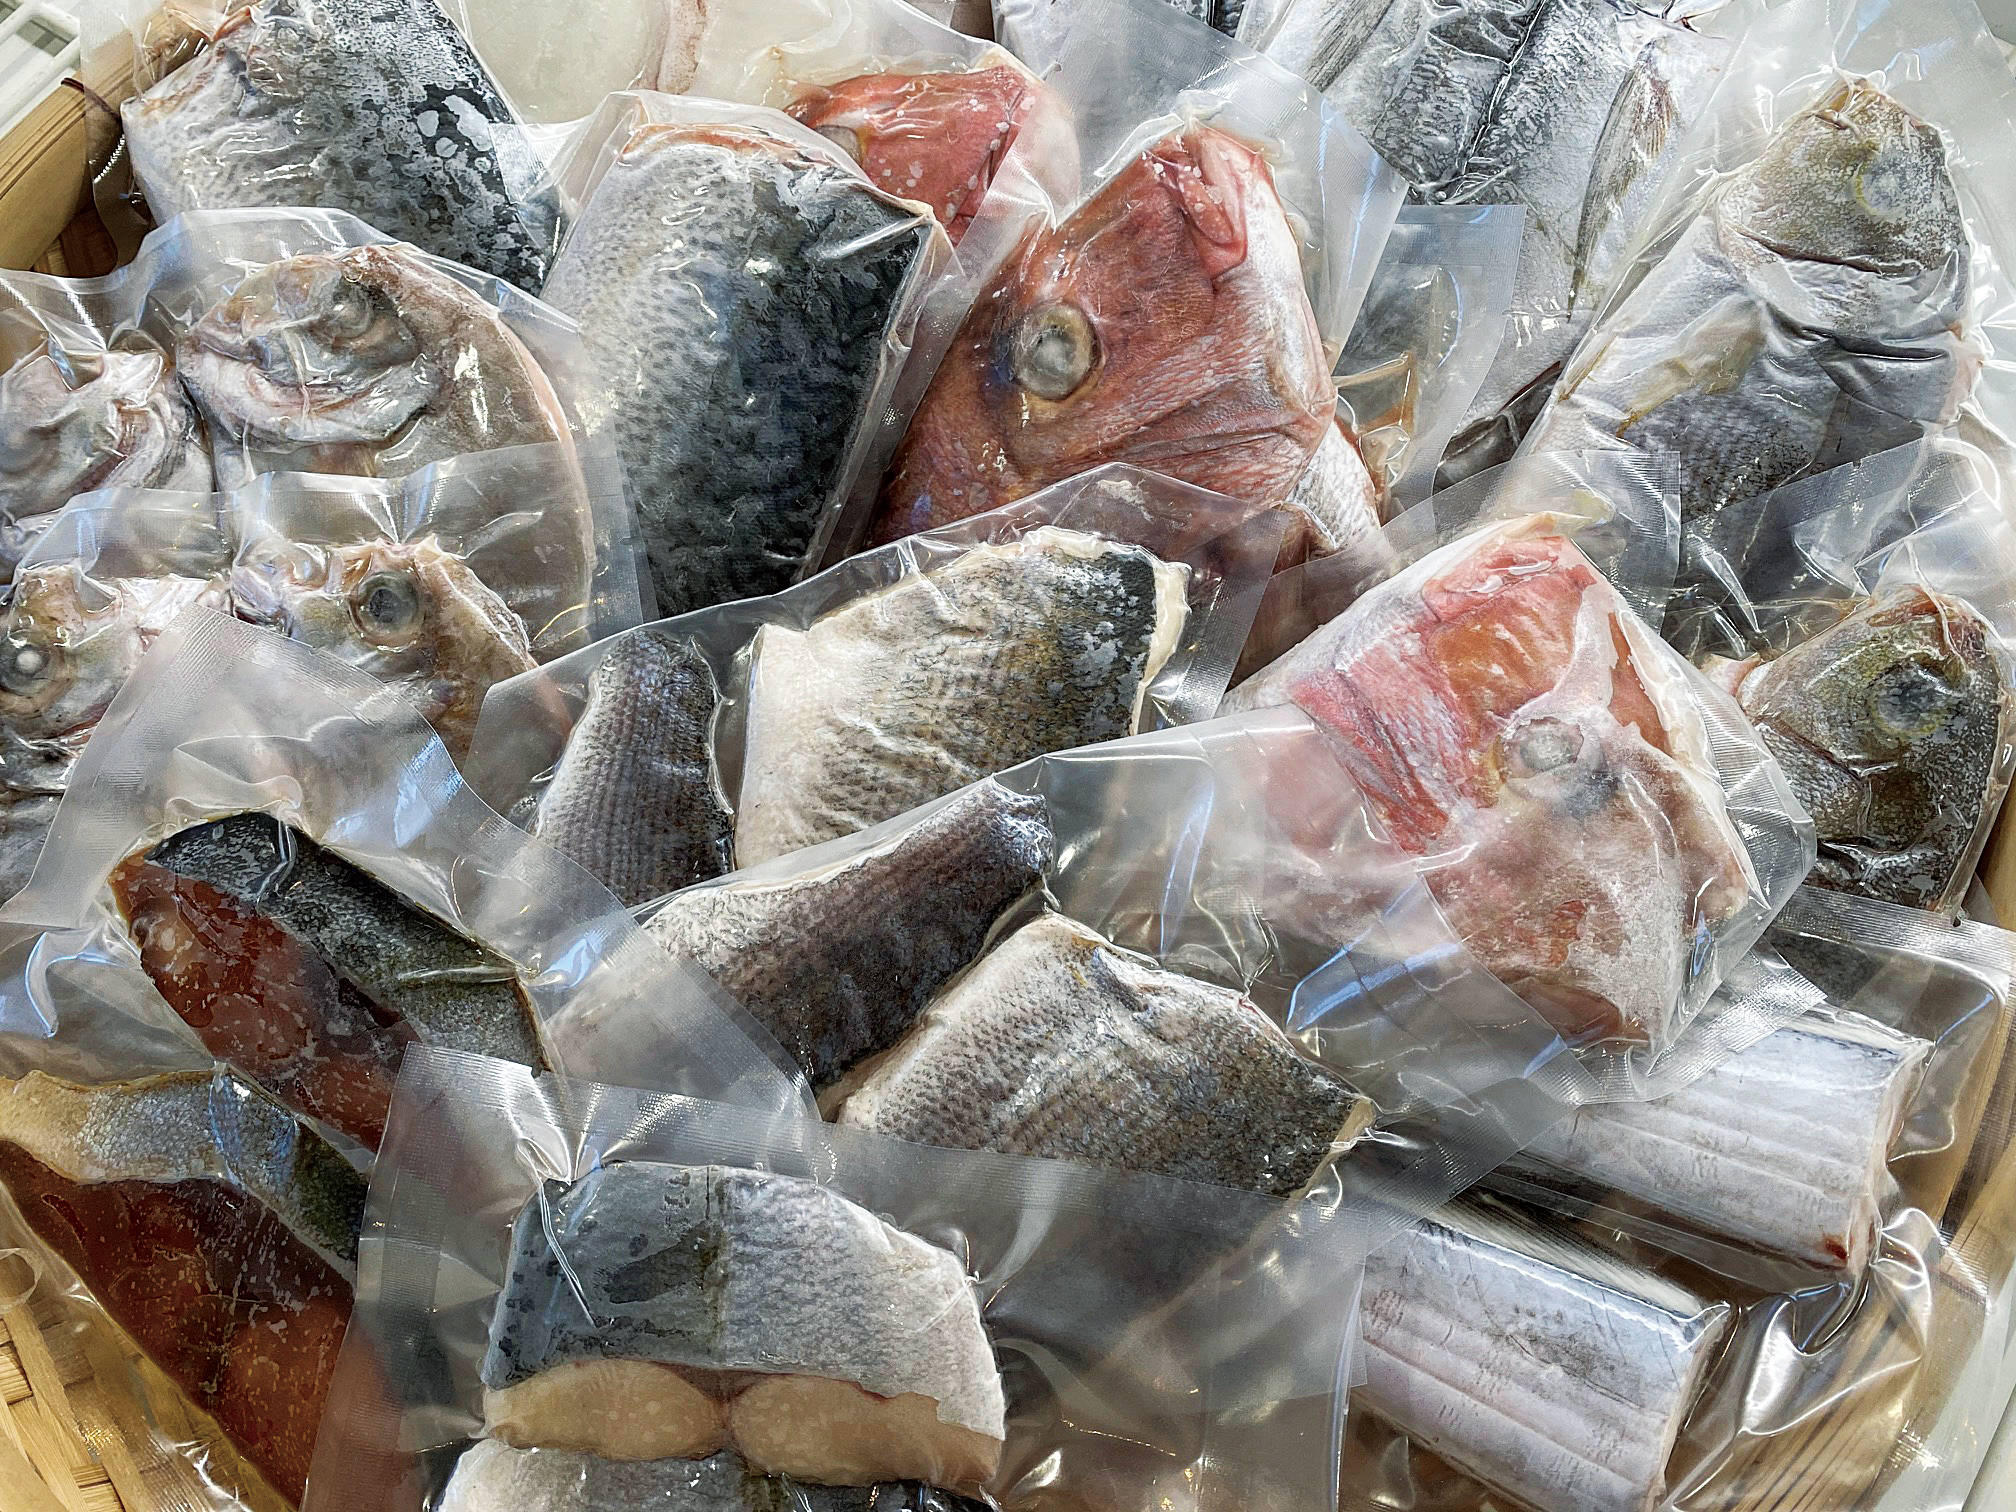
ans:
(732, 1308)
(308, 975)
(636, 798)
(494, 1477)
(1533, 1360)
(377, 107)
(1041, 644)
(838, 962)
(1059, 1044)
(1894, 729)
(214, 1228)
(735, 293)
(1782, 1145)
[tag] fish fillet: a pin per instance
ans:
(1783, 1145)
(1533, 1360)
(748, 1310)
(1041, 644)
(838, 962)
(1059, 1044)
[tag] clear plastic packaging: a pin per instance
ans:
(1860, 1373)
(259, 313)
(1105, 605)
(1158, 1343)
(381, 110)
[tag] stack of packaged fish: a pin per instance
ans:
(761, 755)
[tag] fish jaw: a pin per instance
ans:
(1174, 299)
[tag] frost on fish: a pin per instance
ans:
(494, 1477)
(1509, 719)
(1164, 323)
(1783, 1145)
(377, 107)
(731, 1308)
(366, 362)
(1533, 1360)
(1809, 316)
(74, 419)
(1894, 730)
(636, 798)
(69, 641)
(1059, 1044)
(306, 974)
(1009, 651)
(215, 1229)
(406, 612)
(839, 961)
(736, 294)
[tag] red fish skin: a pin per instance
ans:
(933, 137)
(239, 1312)
(1208, 365)
(262, 1002)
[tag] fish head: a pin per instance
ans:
(407, 612)
(1163, 324)
(1891, 727)
(311, 350)
(72, 420)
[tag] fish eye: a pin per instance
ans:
(1883, 186)
(386, 603)
(1055, 351)
(846, 138)
(349, 310)
(1913, 698)
(1542, 746)
(26, 665)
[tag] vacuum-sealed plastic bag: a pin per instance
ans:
(1092, 610)
(265, 857)
(744, 419)
(293, 340)
(565, 1286)
(381, 110)
(1790, 1264)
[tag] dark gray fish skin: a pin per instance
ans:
(377, 107)
(838, 963)
(734, 293)
(494, 1477)
(456, 992)
(1807, 318)
(1058, 1044)
(636, 798)
(1891, 728)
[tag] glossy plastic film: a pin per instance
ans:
(1158, 1342)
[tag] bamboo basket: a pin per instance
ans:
(88, 1425)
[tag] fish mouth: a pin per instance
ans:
(1207, 175)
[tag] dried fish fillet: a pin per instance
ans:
(750, 1310)
(1059, 1044)
(839, 961)
(1009, 651)
(1535, 1361)
(1783, 1145)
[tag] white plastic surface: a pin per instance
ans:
(39, 44)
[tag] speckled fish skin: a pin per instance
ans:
(1808, 317)
(1893, 728)
(761, 1298)
(377, 107)
(70, 641)
(636, 798)
(734, 291)
(494, 1477)
(837, 963)
(1164, 323)
(1503, 710)
(452, 990)
(1059, 1044)
(406, 612)
(1336, 500)
(1608, 1357)
(1045, 643)
(1782, 1146)
(367, 362)
(72, 421)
